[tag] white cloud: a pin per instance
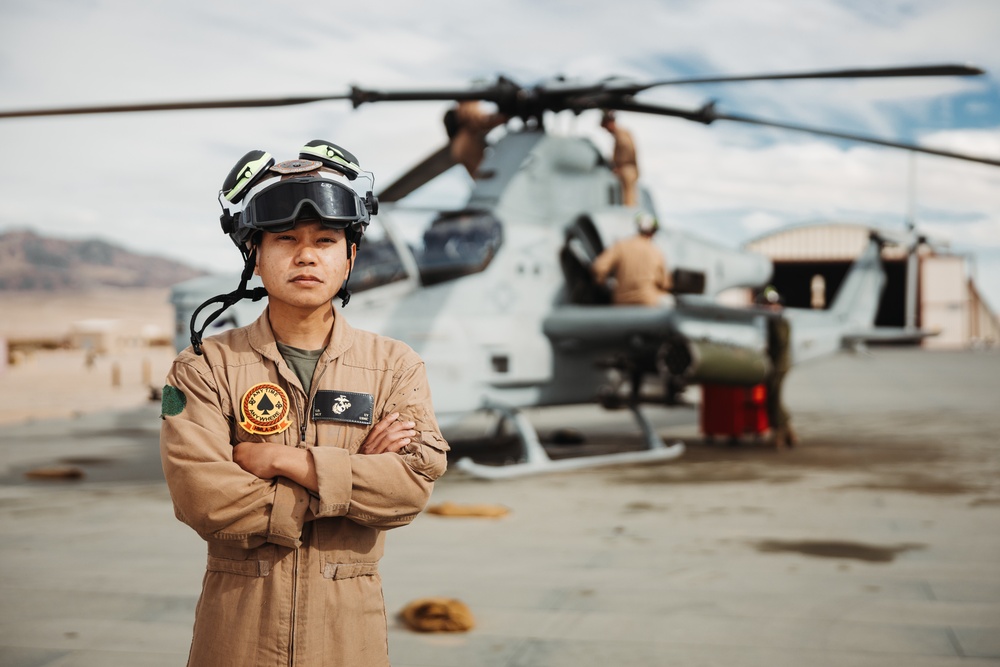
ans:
(149, 180)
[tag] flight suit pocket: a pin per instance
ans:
(246, 568)
(244, 562)
(348, 570)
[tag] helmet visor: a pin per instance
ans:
(276, 208)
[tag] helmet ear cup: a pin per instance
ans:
(228, 222)
(247, 172)
(332, 156)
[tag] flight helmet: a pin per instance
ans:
(646, 222)
(261, 195)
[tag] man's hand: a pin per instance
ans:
(389, 435)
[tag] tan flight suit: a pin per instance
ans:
(779, 336)
(292, 576)
(625, 165)
(469, 143)
(639, 268)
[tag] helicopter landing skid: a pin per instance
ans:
(537, 461)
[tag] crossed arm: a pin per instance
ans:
(267, 460)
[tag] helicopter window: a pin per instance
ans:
(378, 261)
(458, 244)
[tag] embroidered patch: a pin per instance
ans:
(343, 406)
(172, 401)
(264, 409)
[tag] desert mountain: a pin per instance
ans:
(29, 261)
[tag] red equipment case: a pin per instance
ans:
(733, 411)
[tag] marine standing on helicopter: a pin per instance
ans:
(467, 125)
(639, 268)
(623, 159)
(291, 445)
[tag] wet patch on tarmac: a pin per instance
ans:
(86, 460)
(130, 433)
(870, 553)
(916, 483)
(701, 473)
(643, 506)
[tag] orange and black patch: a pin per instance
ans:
(264, 409)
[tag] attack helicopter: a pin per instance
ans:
(497, 296)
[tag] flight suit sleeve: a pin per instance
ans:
(386, 490)
(222, 502)
(605, 264)
(664, 281)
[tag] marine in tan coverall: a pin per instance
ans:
(639, 268)
(467, 128)
(292, 474)
(623, 159)
(779, 340)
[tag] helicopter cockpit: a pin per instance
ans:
(455, 244)
(458, 244)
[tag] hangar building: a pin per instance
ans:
(934, 292)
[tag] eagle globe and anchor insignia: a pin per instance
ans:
(264, 409)
(341, 404)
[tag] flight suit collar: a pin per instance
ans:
(261, 338)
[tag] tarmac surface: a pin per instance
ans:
(875, 542)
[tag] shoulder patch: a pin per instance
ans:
(172, 401)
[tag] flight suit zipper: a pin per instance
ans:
(304, 410)
(295, 603)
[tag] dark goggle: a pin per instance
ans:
(278, 207)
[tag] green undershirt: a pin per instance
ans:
(302, 362)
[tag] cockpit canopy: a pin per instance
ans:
(455, 244)
(458, 244)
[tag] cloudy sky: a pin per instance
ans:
(149, 181)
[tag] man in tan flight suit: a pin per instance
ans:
(638, 266)
(291, 445)
(779, 340)
(623, 159)
(467, 125)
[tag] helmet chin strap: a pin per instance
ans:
(345, 294)
(227, 300)
(256, 294)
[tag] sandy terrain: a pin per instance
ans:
(60, 383)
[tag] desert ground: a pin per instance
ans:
(875, 542)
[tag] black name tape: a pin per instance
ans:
(343, 406)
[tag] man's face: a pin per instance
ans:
(304, 267)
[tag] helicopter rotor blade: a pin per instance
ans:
(858, 73)
(173, 106)
(708, 114)
(434, 165)
(504, 89)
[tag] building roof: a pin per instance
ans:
(823, 242)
